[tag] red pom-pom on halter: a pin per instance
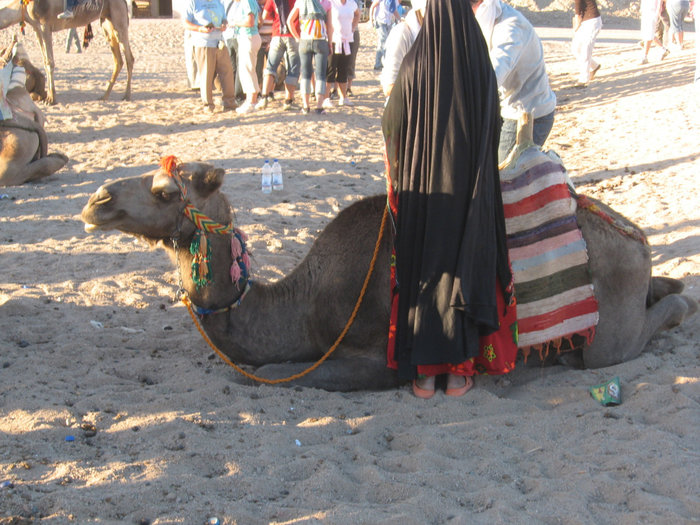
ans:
(169, 164)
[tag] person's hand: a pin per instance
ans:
(576, 22)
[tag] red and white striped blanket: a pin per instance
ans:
(548, 254)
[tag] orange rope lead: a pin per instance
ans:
(365, 285)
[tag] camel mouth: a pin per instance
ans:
(91, 228)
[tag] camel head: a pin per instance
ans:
(151, 206)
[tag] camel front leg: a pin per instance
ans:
(44, 167)
(16, 173)
(340, 375)
(43, 34)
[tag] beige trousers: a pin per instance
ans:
(211, 62)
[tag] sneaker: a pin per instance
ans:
(345, 102)
(305, 110)
(262, 103)
(320, 111)
(66, 14)
(327, 104)
(245, 108)
(665, 53)
(349, 92)
(333, 95)
(644, 61)
(288, 105)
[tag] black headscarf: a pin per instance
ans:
(441, 128)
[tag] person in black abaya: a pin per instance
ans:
(452, 279)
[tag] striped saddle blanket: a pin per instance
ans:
(553, 288)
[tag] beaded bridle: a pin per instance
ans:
(200, 247)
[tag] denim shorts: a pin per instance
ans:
(278, 46)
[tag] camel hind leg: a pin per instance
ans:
(118, 40)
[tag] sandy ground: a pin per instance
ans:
(93, 345)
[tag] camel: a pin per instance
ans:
(42, 15)
(283, 327)
(23, 140)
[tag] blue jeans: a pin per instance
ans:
(540, 131)
(278, 46)
(382, 33)
(313, 56)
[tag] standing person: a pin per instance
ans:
(206, 19)
(587, 25)
(246, 14)
(452, 277)
(650, 11)
(399, 42)
(382, 15)
(190, 61)
(315, 30)
(73, 37)
(345, 16)
(518, 60)
(677, 11)
(282, 42)
(354, 48)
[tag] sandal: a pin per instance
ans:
(460, 391)
(422, 392)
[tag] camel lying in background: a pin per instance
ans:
(23, 141)
(42, 15)
(310, 306)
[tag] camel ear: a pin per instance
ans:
(163, 183)
(207, 181)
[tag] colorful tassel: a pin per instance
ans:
(201, 263)
(236, 248)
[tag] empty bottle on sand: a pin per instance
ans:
(267, 177)
(277, 183)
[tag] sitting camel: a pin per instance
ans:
(311, 305)
(23, 140)
(42, 15)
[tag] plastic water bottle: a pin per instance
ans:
(267, 177)
(277, 183)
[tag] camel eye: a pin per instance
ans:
(165, 196)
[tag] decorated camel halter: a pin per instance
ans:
(200, 248)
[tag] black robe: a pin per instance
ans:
(441, 128)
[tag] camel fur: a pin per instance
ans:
(42, 15)
(311, 305)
